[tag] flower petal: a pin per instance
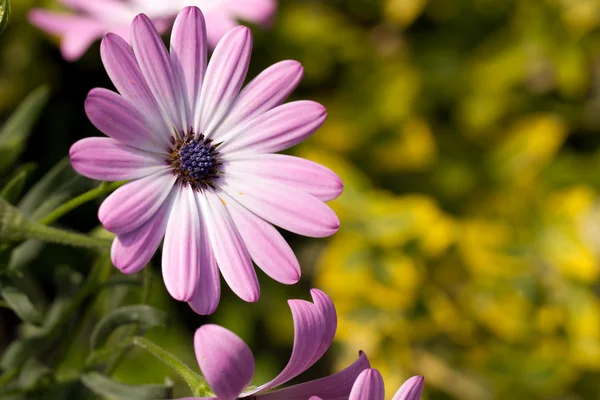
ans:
(266, 246)
(225, 360)
(128, 207)
(333, 387)
(277, 129)
(368, 386)
(295, 172)
(116, 117)
(155, 64)
(224, 78)
(230, 251)
(269, 89)
(411, 389)
(208, 292)
(106, 159)
(124, 72)
(188, 55)
(259, 11)
(131, 251)
(314, 329)
(181, 249)
(77, 33)
(284, 206)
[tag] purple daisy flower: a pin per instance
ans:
(93, 19)
(369, 386)
(228, 365)
(198, 154)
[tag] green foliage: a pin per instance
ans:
(110, 388)
(4, 13)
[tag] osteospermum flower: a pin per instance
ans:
(92, 19)
(369, 386)
(198, 152)
(228, 365)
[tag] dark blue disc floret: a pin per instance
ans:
(195, 160)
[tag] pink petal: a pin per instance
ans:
(130, 252)
(77, 33)
(224, 78)
(266, 246)
(411, 389)
(267, 90)
(230, 251)
(284, 206)
(208, 292)
(155, 64)
(259, 11)
(295, 172)
(131, 205)
(101, 9)
(118, 118)
(106, 159)
(314, 329)
(188, 55)
(334, 387)
(123, 69)
(368, 386)
(277, 129)
(218, 23)
(181, 250)
(225, 360)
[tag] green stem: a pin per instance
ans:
(54, 235)
(104, 189)
(196, 382)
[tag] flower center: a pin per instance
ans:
(194, 160)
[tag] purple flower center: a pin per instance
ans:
(195, 160)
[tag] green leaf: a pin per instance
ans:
(20, 304)
(13, 189)
(16, 131)
(142, 315)
(18, 352)
(104, 386)
(57, 186)
(15, 227)
(4, 13)
(33, 371)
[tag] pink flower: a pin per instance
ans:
(198, 153)
(228, 365)
(92, 19)
(369, 386)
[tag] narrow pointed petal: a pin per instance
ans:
(130, 252)
(266, 246)
(258, 11)
(224, 77)
(181, 250)
(208, 292)
(314, 329)
(278, 129)
(230, 251)
(124, 72)
(284, 206)
(155, 64)
(188, 55)
(269, 89)
(225, 360)
(295, 172)
(333, 387)
(77, 33)
(368, 386)
(106, 159)
(128, 207)
(411, 389)
(218, 24)
(118, 118)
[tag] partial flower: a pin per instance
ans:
(198, 152)
(369, 386)
(228, 365)
(92, 19)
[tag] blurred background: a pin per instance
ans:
(467, 133)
